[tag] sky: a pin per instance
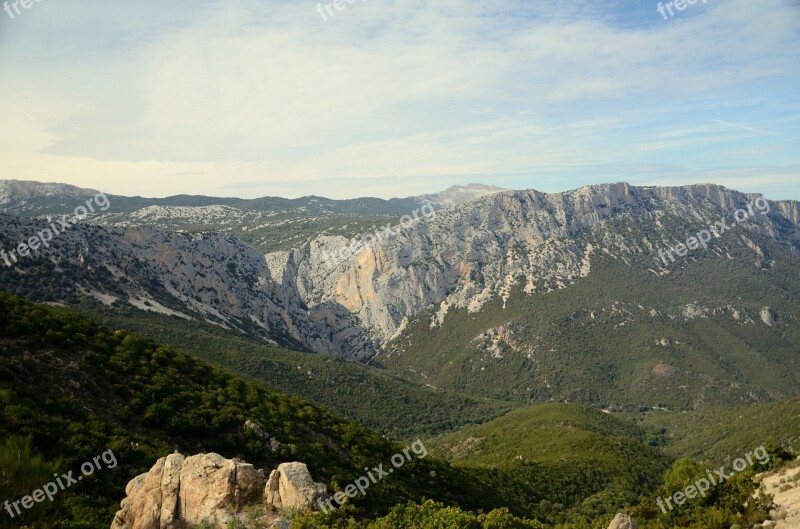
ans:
(388, 98)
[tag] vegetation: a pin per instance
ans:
(70, 390)
(618, 339)
(22, 471)
(719, 434)
(585, 462)
(429, 515)
(730, 503)
(76, 390)
(377, 399)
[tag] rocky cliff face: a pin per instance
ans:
(206, 276)
(460, 257)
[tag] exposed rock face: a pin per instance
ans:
(623, 521)
(180, 491)
(272, 491)
(171, 489)
(464, 256)
(460, 258)
(291, 487)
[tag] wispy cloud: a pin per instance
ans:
(747, 128)
(390, 93)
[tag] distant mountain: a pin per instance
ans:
(36, 198)
(25, 197)
(516, 295)
(455, 195)
(268, 223)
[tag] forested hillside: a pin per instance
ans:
(71, 390)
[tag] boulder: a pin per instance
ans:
(623, 521)
(291, 487)
(208, 489)
(272, 490)
(141, 509)
(768, 317)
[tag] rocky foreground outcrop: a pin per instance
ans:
(207, 488)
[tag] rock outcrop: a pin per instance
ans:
(623, 521)
(207, 488)
(272, 443)
(291, 487)
(768, 317)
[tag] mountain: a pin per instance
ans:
(463, 257)
(487, 297)
(17, 195)
(267, 223)
(582, 308)
(456, 195)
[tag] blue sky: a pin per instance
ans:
(394, 98)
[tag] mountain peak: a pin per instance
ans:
(461, 194)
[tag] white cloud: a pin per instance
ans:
(268, 93)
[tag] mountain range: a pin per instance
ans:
(513, 295)
(559, 352)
